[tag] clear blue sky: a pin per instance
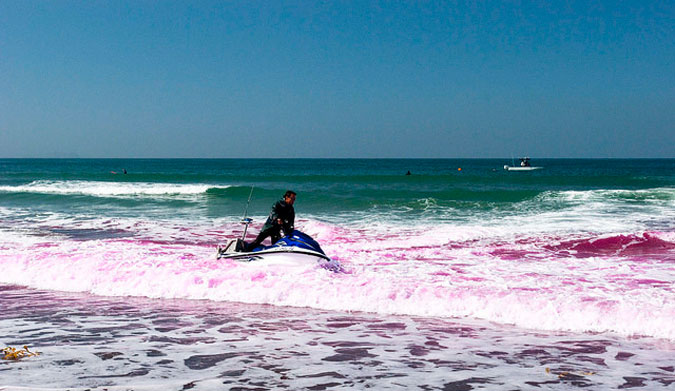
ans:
(337, 79)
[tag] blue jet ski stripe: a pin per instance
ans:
(296, 239)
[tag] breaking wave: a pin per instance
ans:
(111, 189)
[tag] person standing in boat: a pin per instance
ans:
(281, 218)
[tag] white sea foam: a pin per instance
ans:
(110, 189)
(654, 194)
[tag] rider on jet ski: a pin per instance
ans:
(282, 217)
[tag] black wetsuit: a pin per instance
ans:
(280, 210)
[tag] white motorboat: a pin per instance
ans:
(524, 166)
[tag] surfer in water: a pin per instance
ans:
(282, 217)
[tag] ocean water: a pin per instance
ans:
(460, 276)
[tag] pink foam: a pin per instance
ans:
(621, 245)
(557, 282)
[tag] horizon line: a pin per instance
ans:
(330, 158)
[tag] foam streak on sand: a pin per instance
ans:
(106, 343)
(620, 283)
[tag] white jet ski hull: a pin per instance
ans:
(278, 256)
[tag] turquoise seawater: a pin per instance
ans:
(328, 188)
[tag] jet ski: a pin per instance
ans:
(296, 248)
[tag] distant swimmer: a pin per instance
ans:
(125, 170)
(282, 217)
(408, 173)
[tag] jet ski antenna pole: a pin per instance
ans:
(246, 220)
